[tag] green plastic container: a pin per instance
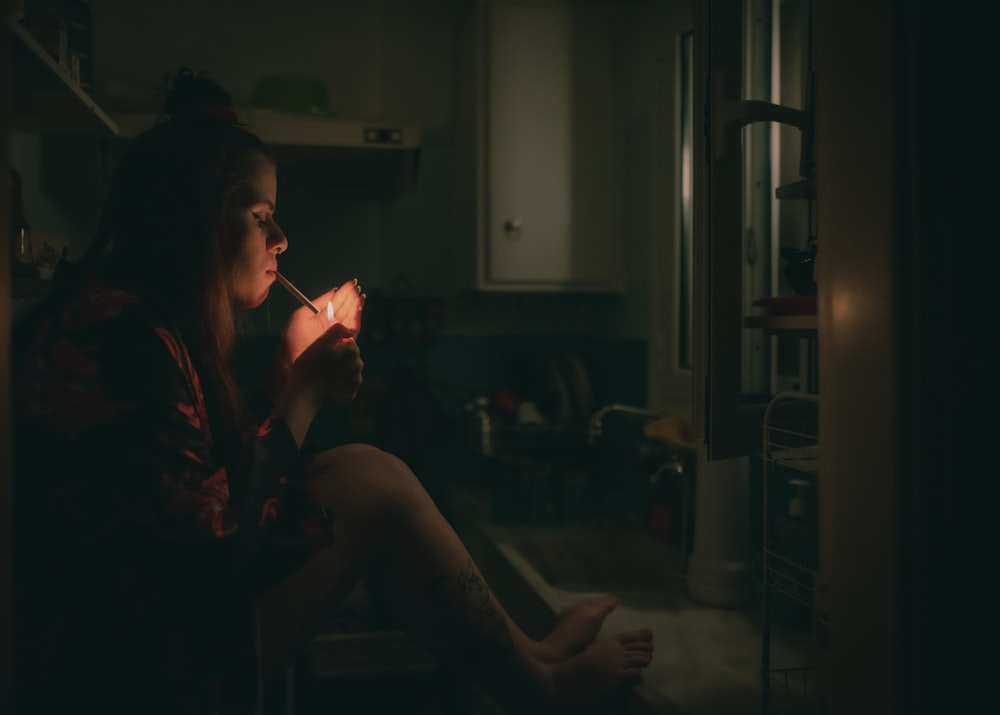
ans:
(295, 94)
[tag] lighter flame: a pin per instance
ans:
(329, 310)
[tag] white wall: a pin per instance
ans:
(398, 61)
(379, 59)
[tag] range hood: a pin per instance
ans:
(348, 158)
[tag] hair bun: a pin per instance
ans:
(194, 95)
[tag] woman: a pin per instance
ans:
(175, 547)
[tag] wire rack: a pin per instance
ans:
(790, 456)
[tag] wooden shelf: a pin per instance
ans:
(803, 325)
(803, 189)
(44, 98)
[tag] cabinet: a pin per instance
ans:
(349, 158)
(549, 146)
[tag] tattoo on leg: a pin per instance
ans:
(483, 613)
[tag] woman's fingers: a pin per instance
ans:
(348, 302)
(340, 332)
(344, 289)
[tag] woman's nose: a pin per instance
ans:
(277, 241)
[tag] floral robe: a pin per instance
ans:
(138, 550)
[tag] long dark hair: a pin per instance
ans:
(167, 233)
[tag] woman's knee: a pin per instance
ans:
(362, 474)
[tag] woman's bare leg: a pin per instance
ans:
(383, 515)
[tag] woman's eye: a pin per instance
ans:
(261, 222)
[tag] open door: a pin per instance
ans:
(751, 60)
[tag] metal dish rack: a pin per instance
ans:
(790, 462)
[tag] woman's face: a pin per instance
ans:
(262, 239)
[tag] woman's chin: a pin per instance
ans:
(251, 303)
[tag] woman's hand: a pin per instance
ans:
(328, 372)
(347, 303)
(304, 329)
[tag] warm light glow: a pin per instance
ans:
(329, 311)
(844, 308)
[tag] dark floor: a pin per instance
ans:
(362, 663)
(430, 694)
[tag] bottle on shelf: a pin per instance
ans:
(23, 264)
(482, 437)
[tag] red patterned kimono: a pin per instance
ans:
(138, 549)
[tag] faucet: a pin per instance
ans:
(596, 424)
(665, 465)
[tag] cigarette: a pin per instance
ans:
(295, 292)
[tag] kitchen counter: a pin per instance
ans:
(707, 659)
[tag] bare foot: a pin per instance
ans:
(603, 669)
(578, 625)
